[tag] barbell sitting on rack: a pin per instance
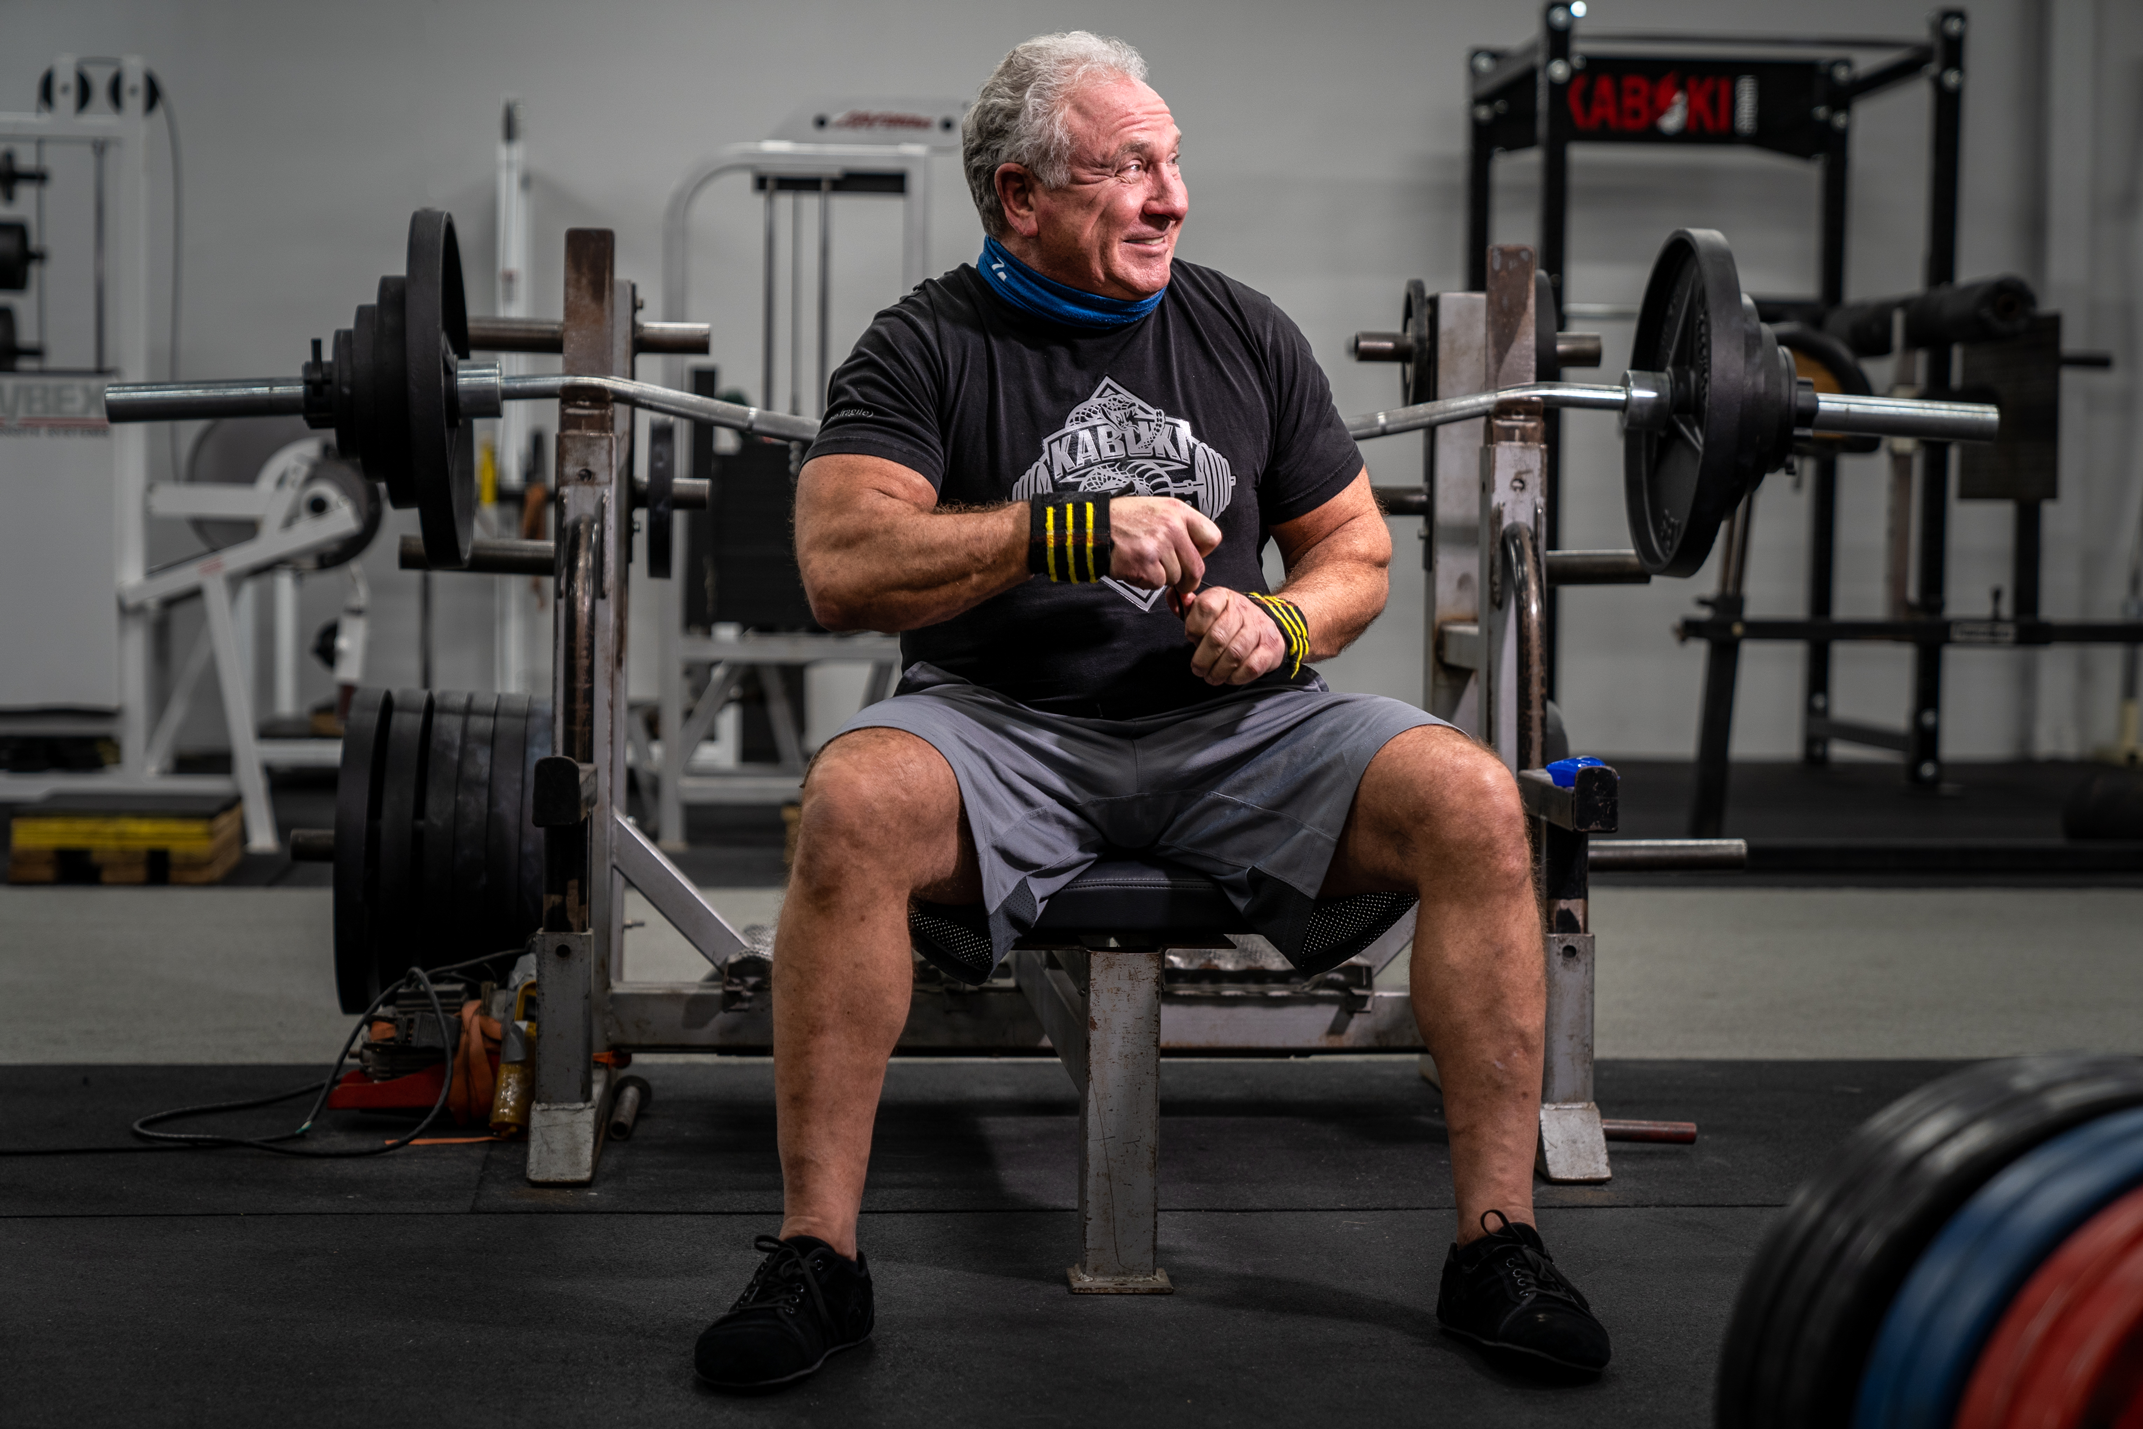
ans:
(1711, 403)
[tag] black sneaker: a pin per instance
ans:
(804, 1302)
(1504, 1293)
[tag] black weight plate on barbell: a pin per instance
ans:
(1826, 1272)
(434, 856)
(472, 831)
(357, 790)
(503, 831)
(395, 909)
(14, 257)
(539, 745)
(1417, 379)
(442, 446)
(352, 394)
(385, 417)
(1682, 480)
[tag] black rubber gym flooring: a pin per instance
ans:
(1305, 1208)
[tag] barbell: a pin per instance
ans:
(1711, 403)
(399, 391)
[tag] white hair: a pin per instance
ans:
(1019, 117)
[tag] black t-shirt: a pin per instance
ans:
(1212, 398)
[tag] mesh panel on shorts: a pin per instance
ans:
(1342, 927)
(954, 948)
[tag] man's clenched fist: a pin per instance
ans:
(1237, 641)
(1159, 543)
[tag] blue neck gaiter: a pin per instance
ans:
(1030, 292)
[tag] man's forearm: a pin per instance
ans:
(877, 553)
(1340, 585)
(887, 566)
(1337, 604)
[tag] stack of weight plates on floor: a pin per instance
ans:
(437, 858)
(1971, 1257)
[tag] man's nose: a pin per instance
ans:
(1168, 198)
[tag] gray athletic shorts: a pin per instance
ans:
(1251, 789)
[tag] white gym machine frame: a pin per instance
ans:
(120, 140)
(771, 163)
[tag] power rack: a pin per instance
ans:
(1755, 92)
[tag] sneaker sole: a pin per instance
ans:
(751, 1385)
(1505, 1347)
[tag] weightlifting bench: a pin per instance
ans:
(1092, 970)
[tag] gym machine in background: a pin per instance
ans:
(423, 795)
(74, 239)
(1675, 89)
(740, 545)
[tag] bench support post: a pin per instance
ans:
(1102, 1010)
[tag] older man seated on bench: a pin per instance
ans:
(1055, 472)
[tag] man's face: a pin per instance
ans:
(1112, 228)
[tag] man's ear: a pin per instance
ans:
(1016, 191)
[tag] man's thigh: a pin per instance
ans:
(1428, 795)
(1264, 788)
(890, 794)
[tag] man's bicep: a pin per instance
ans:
(1349, 518)
(841, 492)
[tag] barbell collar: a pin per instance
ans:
(476, 389)
(1648, 400)
(1931, 421)
(488, 555)
(187, 401)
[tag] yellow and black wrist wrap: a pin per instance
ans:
(1293, 628)
(1068, 538)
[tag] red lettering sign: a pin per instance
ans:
(1670, 104)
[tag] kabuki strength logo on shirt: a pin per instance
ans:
(1115, 444)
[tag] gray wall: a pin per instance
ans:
(1325, 155)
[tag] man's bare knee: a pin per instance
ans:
(1455, 809)
(879, 800)
(1480, 818)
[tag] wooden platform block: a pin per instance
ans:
(105, 838)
